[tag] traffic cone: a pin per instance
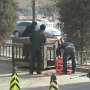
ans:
(14, 84)
(53, 83)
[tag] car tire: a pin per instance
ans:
(17, 34)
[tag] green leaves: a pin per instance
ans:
(75, 14)
(7, 18)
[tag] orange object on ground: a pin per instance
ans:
(59, 66)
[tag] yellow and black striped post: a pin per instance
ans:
(53, 83)
(14, 84)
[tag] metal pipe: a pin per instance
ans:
(33, 10)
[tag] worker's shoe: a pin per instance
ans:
(38, 72)
(31, 73)
(64, 72)
(73, 71)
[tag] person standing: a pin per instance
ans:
(69, 50)
(28, 33)
(29, 30)
(37, 39)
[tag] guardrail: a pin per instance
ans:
(83, 57)
(21, 54)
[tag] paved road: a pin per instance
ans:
(41, 82)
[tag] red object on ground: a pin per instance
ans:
(59, 66)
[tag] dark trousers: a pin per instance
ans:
(69, 51)
(26, 51)
(36, 59)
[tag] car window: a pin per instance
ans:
(24, 24)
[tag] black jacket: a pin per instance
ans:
(38, 39)
(63, 46)
(28, 31)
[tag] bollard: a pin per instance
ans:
(14, 84)
(53, 83)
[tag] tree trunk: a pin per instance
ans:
(82, 41)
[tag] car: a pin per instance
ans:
(20, 26)
(53, 32)
(42, 20)
(52, 28)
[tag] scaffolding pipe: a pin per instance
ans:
(33, 10)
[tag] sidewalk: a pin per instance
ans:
(41, 82)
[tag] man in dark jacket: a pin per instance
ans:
(27, 33)
(38, 39)
(29, 30)
(69, 50)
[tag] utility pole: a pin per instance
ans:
(33, 10)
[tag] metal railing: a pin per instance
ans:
(83, 57)
(22, 54)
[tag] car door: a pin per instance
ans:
(20, 27)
